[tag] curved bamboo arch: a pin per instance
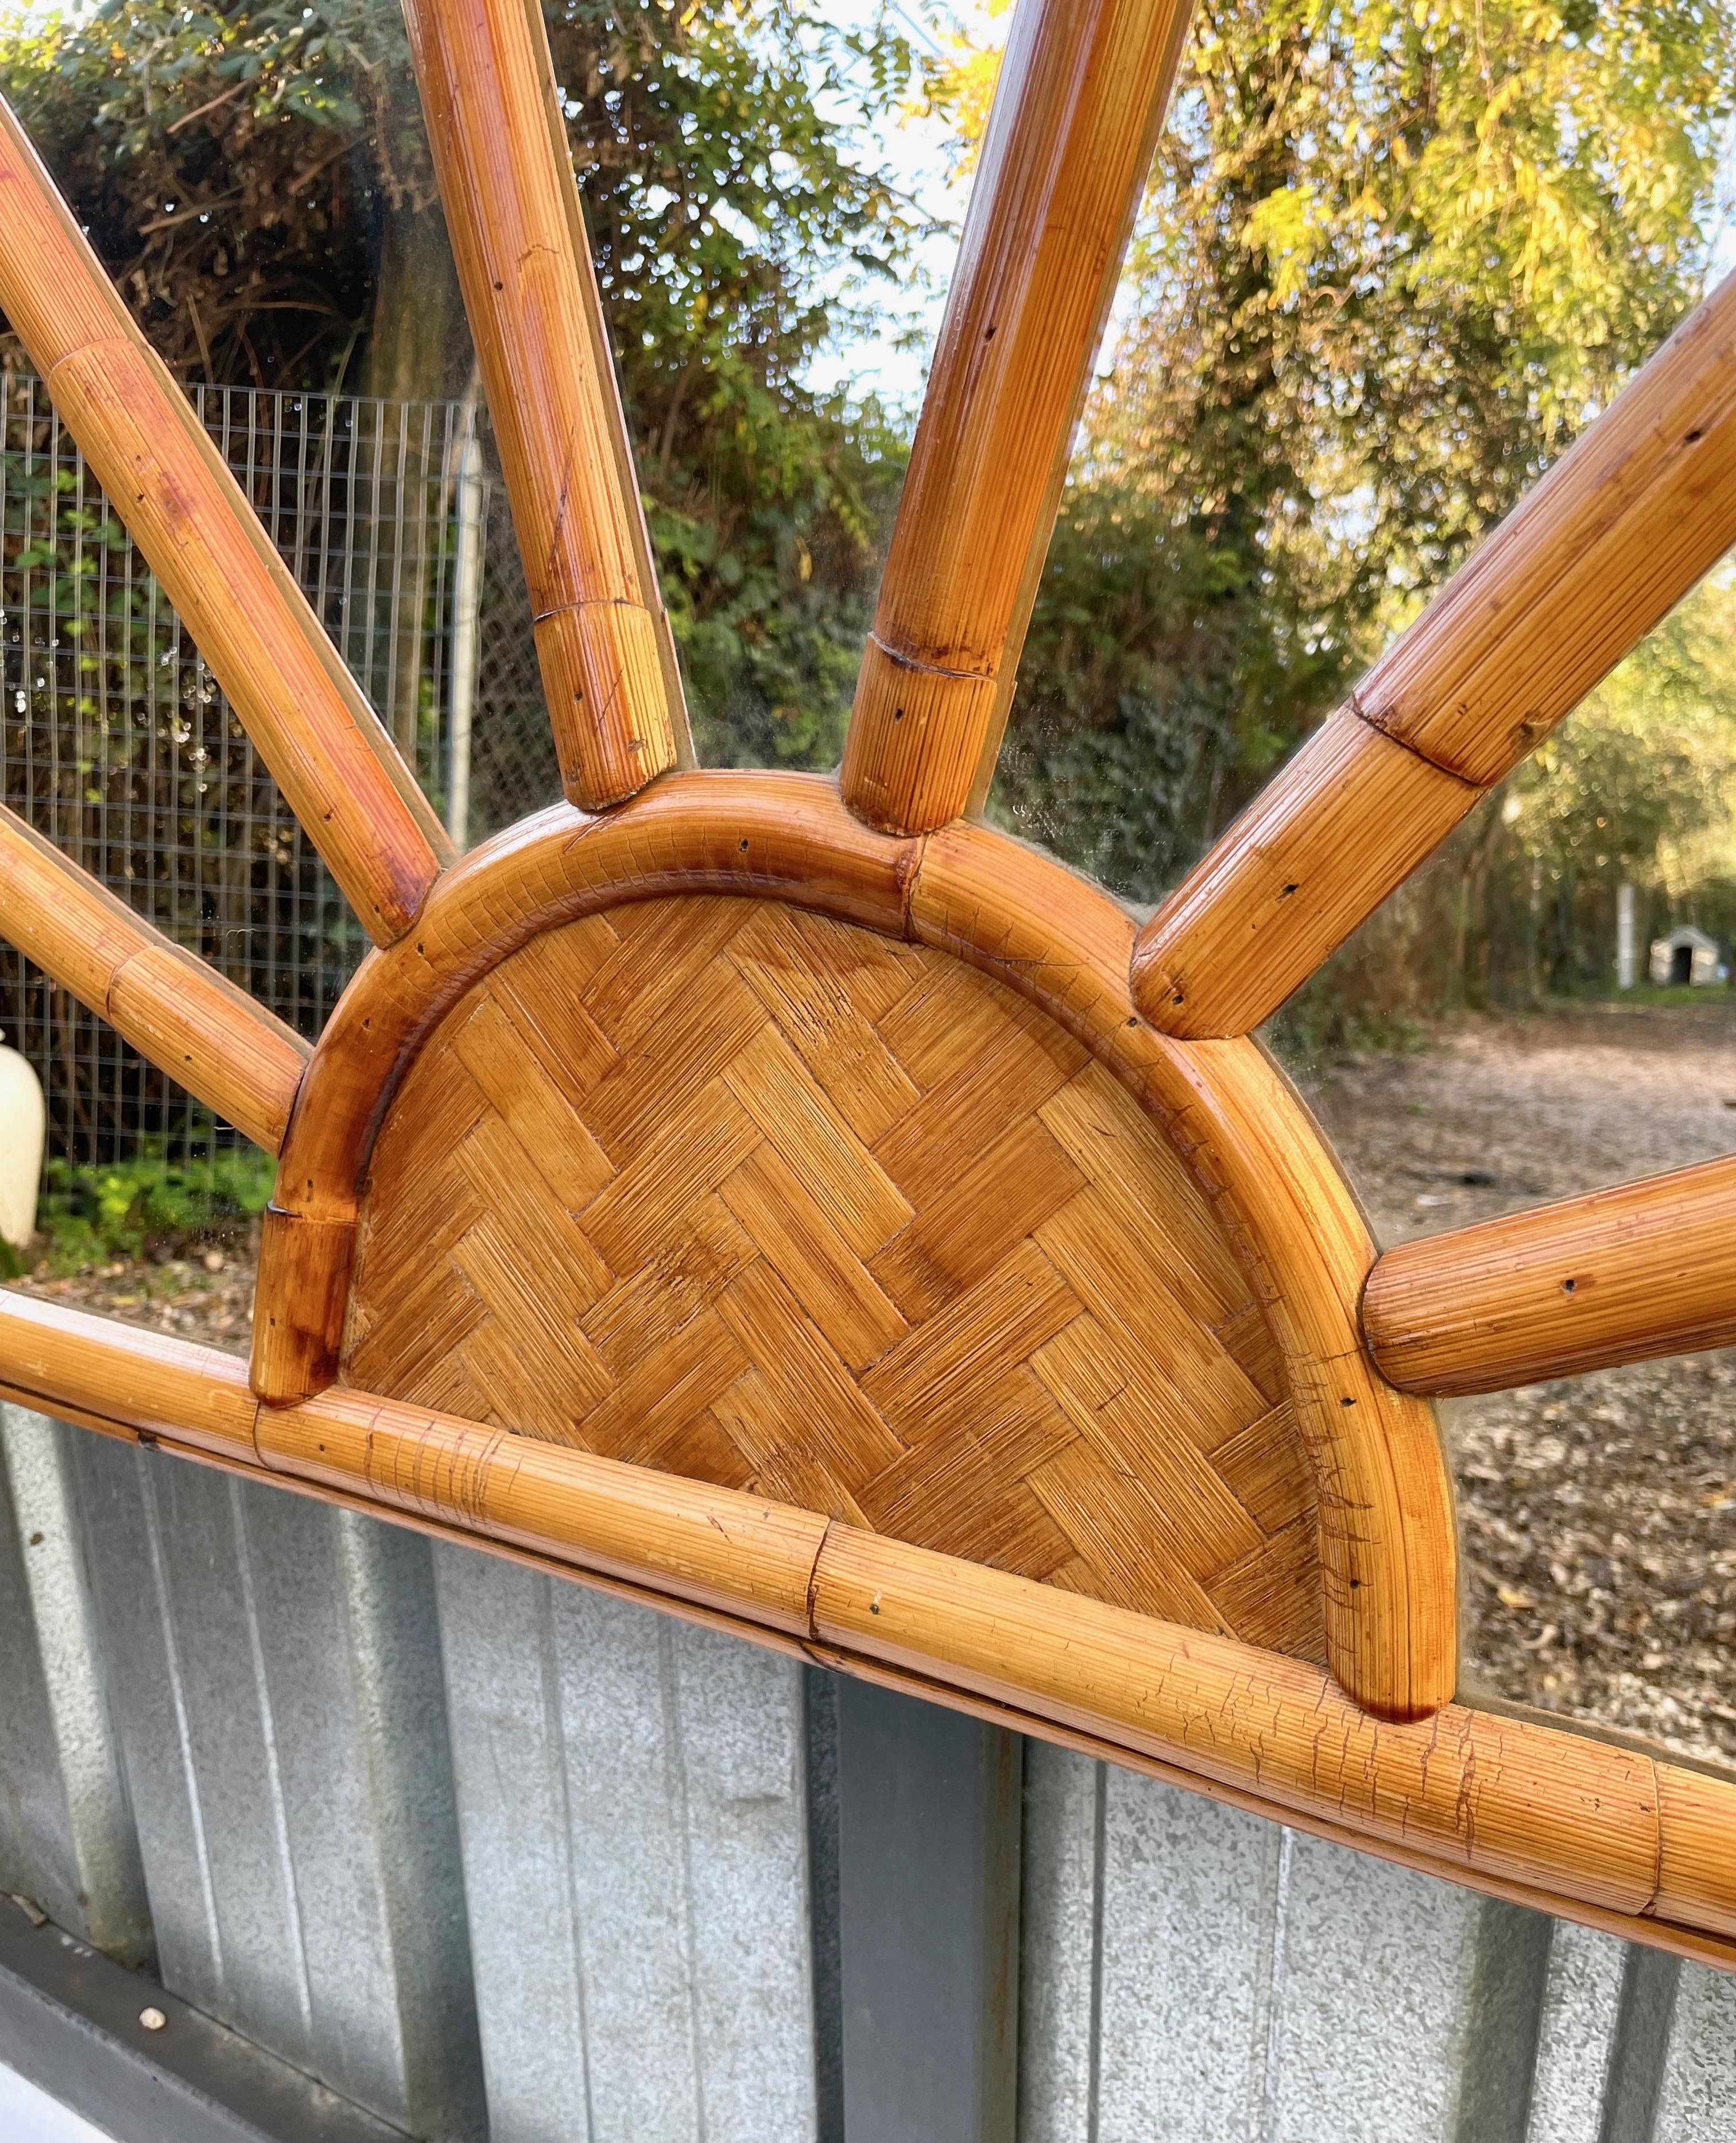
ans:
(1385, 1522)
(1593, 557)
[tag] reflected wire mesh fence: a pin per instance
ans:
(120, 749)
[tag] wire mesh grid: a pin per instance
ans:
(120, 749)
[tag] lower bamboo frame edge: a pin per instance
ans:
(1696, 1944)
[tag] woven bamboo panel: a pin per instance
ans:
(731, 1189)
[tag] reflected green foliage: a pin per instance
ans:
(257, 179)
(1393, 257)
(149, 1202)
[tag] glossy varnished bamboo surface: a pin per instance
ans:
(484, 70)
(208, 1035)
(1626, 1274)
(1081, 95)
(1612, 1834)
(1386, 1535)
(325, 748)
(760, 1198)
(1582, 569)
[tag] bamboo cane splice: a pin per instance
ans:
(1495, 1801)
(207, 1035)
(323, 745)
(713, 1546)
(1581, 570)
(486, 79)
(1082, 96)
(1620, 1275)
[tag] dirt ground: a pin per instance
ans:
(1599, 1514)
(207, 1296)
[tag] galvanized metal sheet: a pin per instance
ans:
(362, 1821)
(66, 1838)
(1197, 1974)
(632, 1808)
(276, 1673)
(1697, 2103)
(1581, 2008)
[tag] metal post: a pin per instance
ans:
(1627, 966)
(466, 608)
(928, 1805)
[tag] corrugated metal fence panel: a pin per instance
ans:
(1697, 2100)
(383, 1791)
(277, 1686)
(633, 1812)
(66, 1836)
(1193, 1973)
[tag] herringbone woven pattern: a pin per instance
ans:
(725, 1188)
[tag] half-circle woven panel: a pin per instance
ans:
(735, 1190)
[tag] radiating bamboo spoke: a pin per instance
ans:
(207, 1035)
(500, 152)
(316, 733)
(1581, 570)
(1081, 95)
(1627, 1275)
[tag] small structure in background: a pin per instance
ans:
(23, 1123)
(1687, 956)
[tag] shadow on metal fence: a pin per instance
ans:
(120, 749)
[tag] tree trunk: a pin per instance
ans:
(419, 352)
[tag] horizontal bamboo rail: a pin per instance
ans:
(1081, 97)
(207, 1035)
(1386, 1541)
(505, 178)
(1609, 1833)
(1625, 1275)
(323, 743)
(1582, 569)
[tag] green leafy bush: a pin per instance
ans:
(129, 1208)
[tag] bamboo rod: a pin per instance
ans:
(207, 1035)
(1386, 1541)
(1081, 97)
(1582, 569)
(1506, 1804)
(1625, 1275)
(323, 745)
(500, 155)
(102, 1372)
(1468, 1791)
(1694, 1944)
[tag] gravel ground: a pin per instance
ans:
(206, 1296)
(1599, 1514)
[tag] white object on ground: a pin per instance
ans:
(22, 1124)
